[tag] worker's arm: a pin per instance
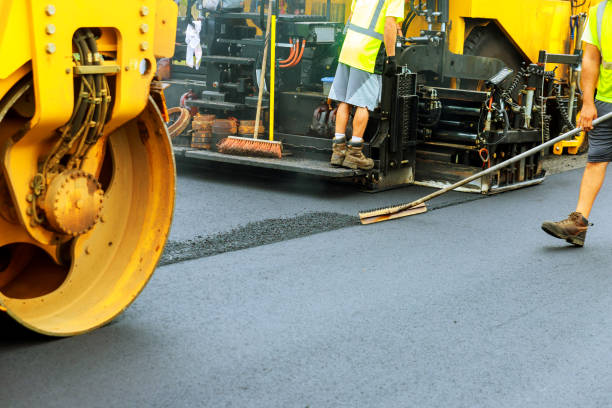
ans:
(390, 35)
(591, 60)
(390, 38)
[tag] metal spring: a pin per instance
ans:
(567, 123)
(507, 94)
(546, 127)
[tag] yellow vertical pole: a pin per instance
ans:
(272, 72)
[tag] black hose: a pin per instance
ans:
(407, 22)
(506, 123)
(80, 115)
(97, 81)
(502, 107)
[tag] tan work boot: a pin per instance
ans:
(573, 229)
(355, 159)
(338, 153)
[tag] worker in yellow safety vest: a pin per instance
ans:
(596, 74)
(370, 31)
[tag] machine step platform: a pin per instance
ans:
(288, 163)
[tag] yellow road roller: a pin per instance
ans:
(87, 173)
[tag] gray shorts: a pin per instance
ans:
(356, 87)
(600, 138)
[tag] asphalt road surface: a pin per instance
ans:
(467, 305)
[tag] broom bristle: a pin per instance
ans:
(384, 214)
(250, 147)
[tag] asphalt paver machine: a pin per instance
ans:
(86, 165)
(479, 82)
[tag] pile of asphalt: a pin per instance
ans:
(254, 234)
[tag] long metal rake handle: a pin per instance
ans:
(493, 169)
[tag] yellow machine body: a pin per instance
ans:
(529, 25)
(83, 261)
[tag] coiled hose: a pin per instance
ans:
(567, 123)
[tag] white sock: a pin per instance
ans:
(356, 140)
(339, 136)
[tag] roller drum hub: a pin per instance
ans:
(73, 202)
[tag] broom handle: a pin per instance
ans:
(272, 78)
(504, 163)
(262, 76)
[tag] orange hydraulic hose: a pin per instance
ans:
(291, 53)
(485, 161)
(295, 56)
(299, 58)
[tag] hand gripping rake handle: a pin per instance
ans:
(402, 207)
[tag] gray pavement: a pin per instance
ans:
(469, 305)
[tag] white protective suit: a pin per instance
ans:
(192, 39)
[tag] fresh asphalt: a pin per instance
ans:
(468, 305)
(221, 209)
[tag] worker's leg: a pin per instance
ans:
(355, 158)
(338, 93)
(342, 118)
(600, 154)
(339, 142)
(364, 92)
(592, 179)
(360, 122)
(574, 228)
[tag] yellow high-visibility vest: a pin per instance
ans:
(600, 20)
(364, 34)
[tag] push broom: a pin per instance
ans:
(246, 146)
(418, 206)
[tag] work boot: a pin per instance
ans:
(573, 229)
(338, 152)
(355, 159)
